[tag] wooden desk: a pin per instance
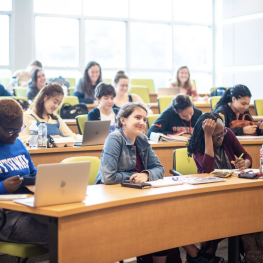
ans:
(205, 107)
(164, 151)
(116, 222)
(257, 118)
(153, 97)
(152, 106)
(72, 124)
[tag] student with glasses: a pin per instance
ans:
(15, 163)
(214, 146)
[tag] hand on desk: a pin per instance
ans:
(139, 178)
(11, 184)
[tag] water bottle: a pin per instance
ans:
(261, 160)
(42, 135)
(14, 84)
(65, 90)
(33, 138)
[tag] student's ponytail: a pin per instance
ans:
(238, 91)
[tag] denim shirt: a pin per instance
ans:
(118, 159)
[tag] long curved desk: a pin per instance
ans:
(164, 151)
(114, 222)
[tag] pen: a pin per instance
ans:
(241, 155)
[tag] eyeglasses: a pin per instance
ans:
(219, 136)
(11, 132)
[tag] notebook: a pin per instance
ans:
(167, 92)
(95, 132)
(59, 183)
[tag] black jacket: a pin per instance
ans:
(94, 115)
(230, 116)
(170, 122)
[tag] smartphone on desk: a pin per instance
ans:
(128, 183)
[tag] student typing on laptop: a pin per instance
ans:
(15, 162)
(105, 94)
(42, 110)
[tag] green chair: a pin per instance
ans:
(182, 163)
(164, 102)
(20, 91)
(144, 82)
(107, 80)
(72, 100)
(19, 250)
(71, 91)
(4, 81)
(259, 107)
(214, 88)
(141, 91)
(71, 81)
(81, 119)
(151, 119)
(94, 168)
(213, 101)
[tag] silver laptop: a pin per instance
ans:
(59, 183)
(167, 92)
(95, 132)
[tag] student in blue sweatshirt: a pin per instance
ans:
(15, 163)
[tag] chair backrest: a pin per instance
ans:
(259, 107)
(107, 80)
(213, 101)
(144, 82)
(20, 91)
(151, 119)
(94, 168)
(4, 81)
(164, 102)
(182, 163)
(80, 119)
(141, 91)
(72, 82)
(71, 91)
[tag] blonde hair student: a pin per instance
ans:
(42, 110)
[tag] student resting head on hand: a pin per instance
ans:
(85, 88)
(15, 164)
(105, 94)
(42, 110)
(233, 105)
(216, 147)
(181, 115)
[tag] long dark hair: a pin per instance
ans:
(51, 90)
(86, 78)
(34, 75)
(238, 91)
(197, 140)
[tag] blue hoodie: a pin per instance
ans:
(14, 160)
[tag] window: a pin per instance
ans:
(57, 41)
(6, 5)
(151, 46)
(105, 43)
(4, 43)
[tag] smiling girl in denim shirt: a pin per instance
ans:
(127, 155)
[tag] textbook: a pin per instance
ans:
(156, 137)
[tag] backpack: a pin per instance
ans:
(218, 92)
(61, 81)
(68, 111)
